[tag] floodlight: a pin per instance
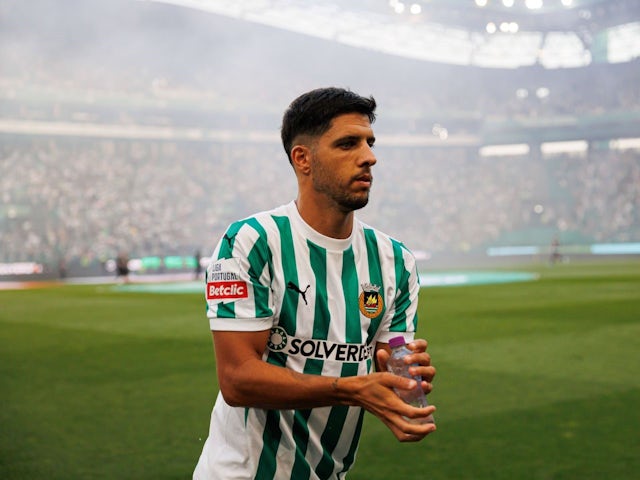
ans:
(625, 144)
(542, 92)
(504, 150)
(439, 131)
(533, 4)
(573, 146)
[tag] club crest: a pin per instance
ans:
(370, 300)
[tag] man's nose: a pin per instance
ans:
(368, 157)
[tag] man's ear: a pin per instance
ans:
(301, 159)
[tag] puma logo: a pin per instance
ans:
(229, 239)
(294, 287)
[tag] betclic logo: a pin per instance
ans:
(227, 290)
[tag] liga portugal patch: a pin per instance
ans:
(227, 290)
(370, 301)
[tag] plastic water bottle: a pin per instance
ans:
(396, 365)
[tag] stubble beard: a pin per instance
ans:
(339, 194)
(349, 203)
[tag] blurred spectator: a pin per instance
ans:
(122, 267)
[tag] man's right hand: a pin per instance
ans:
(375, 393)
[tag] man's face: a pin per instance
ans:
(341, 161)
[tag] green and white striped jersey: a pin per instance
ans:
(327, 302)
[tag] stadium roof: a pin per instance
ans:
(484, 33)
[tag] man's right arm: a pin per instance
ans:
(247, 381)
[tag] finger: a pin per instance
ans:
(420, 416)
(417, 430)
(382, 357)
(427, 373)
(419, 364)
(427, 387)
(409, 418)
(418, 345)
(390, 380)
(393, 403)
(410, 437)
(416, 437)
(407, 431)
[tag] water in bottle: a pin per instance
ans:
(396, 365)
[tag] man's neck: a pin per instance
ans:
(327, 220)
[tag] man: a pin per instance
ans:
(302, 300)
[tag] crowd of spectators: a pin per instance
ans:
(453, 200)
(87, 200)
(69, 198)
(92, 199)
(602, 193)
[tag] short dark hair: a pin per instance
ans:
(312, 112)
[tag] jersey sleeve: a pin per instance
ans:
(238, 279)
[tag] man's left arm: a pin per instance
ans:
(404, 321)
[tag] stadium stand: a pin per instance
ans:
(86, 197)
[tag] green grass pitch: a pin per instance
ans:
(536, 380)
